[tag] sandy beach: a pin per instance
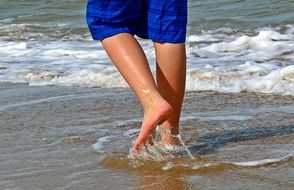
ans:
(47, 137)
(68, 118)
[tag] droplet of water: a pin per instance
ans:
(159, 151)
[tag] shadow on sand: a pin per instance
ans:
(212, 142)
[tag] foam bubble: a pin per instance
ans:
(217, 61)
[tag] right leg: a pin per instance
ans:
(129, 58)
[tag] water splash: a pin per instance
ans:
(156, 150)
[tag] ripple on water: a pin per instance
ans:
(157, 156)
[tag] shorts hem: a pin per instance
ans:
(167, 41)
(163, 40)
(97, 36)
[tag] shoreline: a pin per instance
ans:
(47, 135)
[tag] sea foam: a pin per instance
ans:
(231, 62)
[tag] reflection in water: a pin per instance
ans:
(162, 180)
(48, 137)
(159, 172)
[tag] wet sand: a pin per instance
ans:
(47, 133)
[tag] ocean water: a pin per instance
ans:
(57, 137)
(233, 46)
(68, 119)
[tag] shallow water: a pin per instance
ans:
(64, 137)
(48, 136)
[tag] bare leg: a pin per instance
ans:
(171, 80)
(129, 58)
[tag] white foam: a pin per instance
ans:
(262, 162)
(217, 61)
(265, 39)
(265, 78)
(203, 38)
(197, 166)
(14, 49)
(100, 144)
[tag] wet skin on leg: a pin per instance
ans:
(129, 58)
(171, 81)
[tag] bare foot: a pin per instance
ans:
(157, 114)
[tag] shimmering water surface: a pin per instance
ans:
(67, 118)
(76, 138)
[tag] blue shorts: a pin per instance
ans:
(158, 20)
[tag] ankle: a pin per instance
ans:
(167, 138)
(157, 103)
(173, 127)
